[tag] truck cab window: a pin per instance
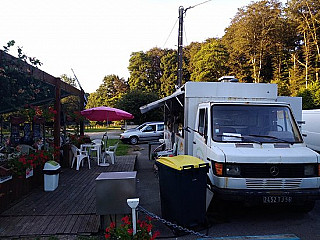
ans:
(259, 124)
(203, 122)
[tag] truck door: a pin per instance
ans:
(201, 134)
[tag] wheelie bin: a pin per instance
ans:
(183, 182)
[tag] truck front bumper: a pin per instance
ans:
(296, 196)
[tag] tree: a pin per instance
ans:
(145, 70)
(70, 104)
(251, 37)
(108, 93)
(133, 100)
(210, 62)
(305, 14)
(168, 80)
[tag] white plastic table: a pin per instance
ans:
(95, 147)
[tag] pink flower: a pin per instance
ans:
(130, 231)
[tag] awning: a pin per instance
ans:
(161, 102)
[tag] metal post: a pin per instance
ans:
(56, 125)
(133, 203)
(180, 46)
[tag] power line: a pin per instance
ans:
(170, 33)
(196, 5)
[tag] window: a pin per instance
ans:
(254, 123)
(160, 127)
(203, 122)
(150, 128)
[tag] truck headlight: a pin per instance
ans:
(309, 170)
(233, 170)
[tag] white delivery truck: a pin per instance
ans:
(251, 138)
(311, 129)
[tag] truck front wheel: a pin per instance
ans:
(306, 207)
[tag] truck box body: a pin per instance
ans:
(250, 137)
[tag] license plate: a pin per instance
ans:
(277, 199)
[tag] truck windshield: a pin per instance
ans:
(257, 124)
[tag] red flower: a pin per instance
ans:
(155, 235)
(126, 220)
(112, 225)
(107, 236)
(130, 231)
(149, 227)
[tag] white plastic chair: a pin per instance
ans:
(79, 156)
(111, 151)
(25, 149)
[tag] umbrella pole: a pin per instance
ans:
(104, 164)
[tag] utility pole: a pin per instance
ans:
(180, 40)
(180, 46)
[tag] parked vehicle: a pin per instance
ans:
(311, 130)
(149, 131)
(251, 138)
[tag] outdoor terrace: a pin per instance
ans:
(69, 210)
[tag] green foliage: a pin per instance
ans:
(307, 99)
(169, 65)
(251, 38)
(145, 70)
(108, 92)
(210, 62)
(133, 100)
(264, 42)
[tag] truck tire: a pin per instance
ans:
(306, 207)
(133, 140)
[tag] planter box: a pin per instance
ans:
(14, 188)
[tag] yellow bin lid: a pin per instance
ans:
(180, 161)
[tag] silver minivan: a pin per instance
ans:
(149, 131)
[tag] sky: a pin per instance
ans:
(96, 37)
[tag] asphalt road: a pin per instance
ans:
(231, 219)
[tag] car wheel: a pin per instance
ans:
(133, 140)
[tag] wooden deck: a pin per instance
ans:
(70, 209)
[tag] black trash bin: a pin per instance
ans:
(182, 181)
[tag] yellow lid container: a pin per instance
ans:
(181, 162)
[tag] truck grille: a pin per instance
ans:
(293, 183)
(268, 170)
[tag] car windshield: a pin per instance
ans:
(141, 126)
(257, 124)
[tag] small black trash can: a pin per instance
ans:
(183, 182)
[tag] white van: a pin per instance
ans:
(311, 128)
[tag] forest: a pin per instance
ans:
(266, 42)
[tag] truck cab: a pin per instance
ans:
(256, 152)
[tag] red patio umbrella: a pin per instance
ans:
(106, 114)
